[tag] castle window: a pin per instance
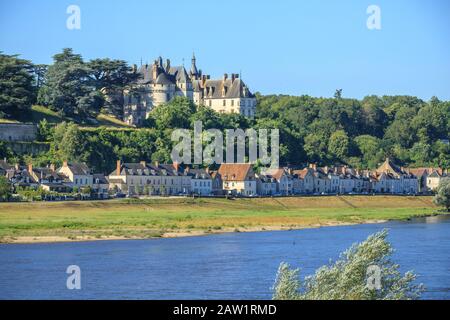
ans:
(232, 103)
(224, 103)
(209, 103)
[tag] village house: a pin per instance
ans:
(428, 178)
(79, 174)
(304, 182)
(395, 180)
(100, 186)
(433, 179)
(283, 180)
(238, 179)
(201, 182)
(217, 183)
(150, 179)
(48, 179)
(266, 184)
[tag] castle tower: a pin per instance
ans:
(194, 71)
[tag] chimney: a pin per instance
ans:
(167, 65)
(118, 166)
(155, 71)
(52, 167)
(203, 80)
(30, 168)
(156, 164)
(176, 165)
(65, 164)
(16, 166)
(225, 76)
(143, 163)
(233, 77)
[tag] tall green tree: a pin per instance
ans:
(16, 86)
(111, 77)
(68, 142)
(68, 88)
(338, 145)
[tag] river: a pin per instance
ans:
(222, 266)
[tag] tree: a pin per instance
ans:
(39, 73)
(111, 77)
(5, 151)
(68, 88)
(442, 197)
(68, 142)
(175, 114)
(338, 145)
(16, 86)
(348, 277)
(5, 189)
(45, 131)
(316, 148)
(369, 147)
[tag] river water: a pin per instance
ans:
(224, 266)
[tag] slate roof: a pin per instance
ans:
(214, 89)
(101, 179)
(199, 174)
(79, 169)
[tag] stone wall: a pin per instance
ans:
(18, 132)
(30, 148)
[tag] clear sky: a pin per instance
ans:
(282, 47)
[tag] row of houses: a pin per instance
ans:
(145, 178)
(66, 179)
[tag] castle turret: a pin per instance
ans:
(194, 72)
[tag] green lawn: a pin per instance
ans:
(158, 217)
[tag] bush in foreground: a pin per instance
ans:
(348, 277)
(442, 197)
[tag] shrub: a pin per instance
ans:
(347, 278)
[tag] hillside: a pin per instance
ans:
(39, 113)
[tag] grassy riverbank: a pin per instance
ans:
(170, 217)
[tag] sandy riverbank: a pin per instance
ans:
(42, 222)
(174, 234)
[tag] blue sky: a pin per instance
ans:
(282, 47)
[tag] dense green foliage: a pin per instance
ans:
(16, 85)
(348, 277)
(5, 188)
(442, 197)
(360, 133)
(77, 88)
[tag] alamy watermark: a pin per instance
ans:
(74, 279)
(373, 277)
(213, 151)
(374, 19)
(73, 22)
